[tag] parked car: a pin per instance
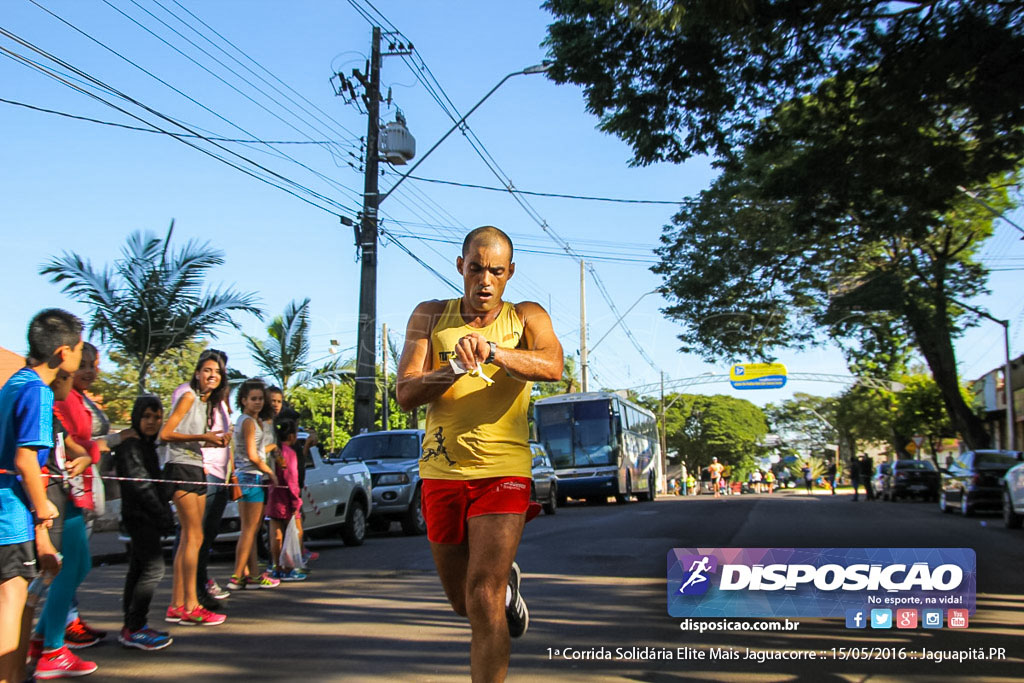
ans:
(336, 499)
(545, 484)
(393, 459)
(907, 479)
(1013, 495)
(974, 481)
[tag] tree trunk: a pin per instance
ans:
(143, 371)
(936, 345)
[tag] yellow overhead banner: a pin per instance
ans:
(757, 376)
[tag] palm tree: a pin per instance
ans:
(152, 299)
(284, 356)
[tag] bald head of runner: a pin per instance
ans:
(486, 267)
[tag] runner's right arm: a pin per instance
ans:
(417, 384)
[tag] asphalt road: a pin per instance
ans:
(594, 579)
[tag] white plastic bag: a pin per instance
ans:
(291, 548)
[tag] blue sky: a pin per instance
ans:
(81, 187)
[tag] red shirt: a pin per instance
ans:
(77, 419)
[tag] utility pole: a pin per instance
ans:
(366, 346)
(583, 327)
(385, 402)
(663, 464)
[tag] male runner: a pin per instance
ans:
(471, 361)
(715, 469)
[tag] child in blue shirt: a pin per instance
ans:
(26, 435)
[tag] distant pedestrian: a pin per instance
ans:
(691, 485)
(715, 470)
(866, 470)
(808, 476)
(832, 476)
(769, 480)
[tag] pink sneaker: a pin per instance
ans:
(174, 614)
(62, 663)
(265, 580)
(201, 616)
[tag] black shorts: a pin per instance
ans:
(18, 559)
(193, 475)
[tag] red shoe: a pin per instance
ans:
(174, 614)
(35, 649)
(62, 663)
(90, 630)
(77, 636)
(201, 616)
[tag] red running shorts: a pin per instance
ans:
(449, 503)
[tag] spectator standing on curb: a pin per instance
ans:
(190, 427)
(217, 467)
(147, 517)
(26, 438)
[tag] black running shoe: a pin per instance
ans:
(516, 613)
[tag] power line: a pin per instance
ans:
(151, 130)
(599, 257)
(262, 177)
(556, 195)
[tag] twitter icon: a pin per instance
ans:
(881, 618)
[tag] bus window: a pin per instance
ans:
(592, 430)
(554, 426)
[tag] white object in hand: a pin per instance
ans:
(459, 369)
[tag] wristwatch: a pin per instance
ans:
(490, 356)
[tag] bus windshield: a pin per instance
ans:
(577, 434)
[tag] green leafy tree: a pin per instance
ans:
(152, 300)
(313, 404)
(701, 427)
(119, 385)
(843, 130)
(919, 409)
(694, 77)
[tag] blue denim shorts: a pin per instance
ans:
(251, 491)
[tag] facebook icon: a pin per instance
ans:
(855, 618)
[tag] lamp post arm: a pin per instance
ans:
(451, 130)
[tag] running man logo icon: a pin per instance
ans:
(697, 566)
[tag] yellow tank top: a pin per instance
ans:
(475, 430)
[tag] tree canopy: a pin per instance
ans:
(845, 132)
(152, 300)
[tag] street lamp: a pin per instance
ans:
(535, 69)
(366, 361)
